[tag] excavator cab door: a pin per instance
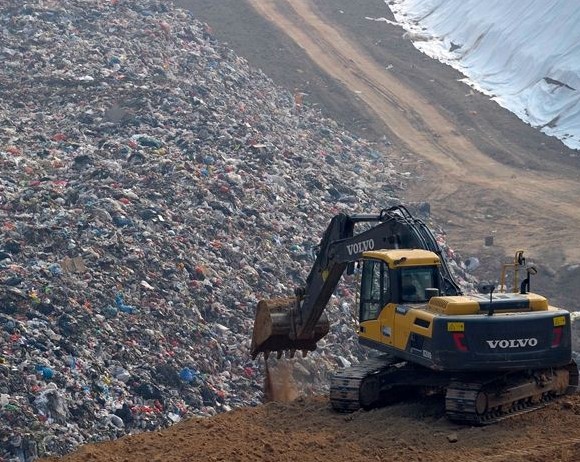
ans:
(376, 313)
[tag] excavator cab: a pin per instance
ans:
(400, 276)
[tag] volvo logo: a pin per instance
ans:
(512, 343)
(360, 247)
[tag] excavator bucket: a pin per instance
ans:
(273, 328)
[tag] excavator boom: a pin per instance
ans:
(297, 323)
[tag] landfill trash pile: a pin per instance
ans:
(152, 188)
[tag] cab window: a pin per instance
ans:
(415, 280)
(374, 289)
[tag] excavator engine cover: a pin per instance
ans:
(274, 328)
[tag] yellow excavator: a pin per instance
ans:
(494, 355)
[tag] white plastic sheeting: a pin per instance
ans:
(524, 53)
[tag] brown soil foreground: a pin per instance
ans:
(308, 430)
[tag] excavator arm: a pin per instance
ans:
(297, 323)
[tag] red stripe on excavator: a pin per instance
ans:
(557, 336)
(459, 339)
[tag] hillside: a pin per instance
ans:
(155, 184)
(484, 172)
(153, 187)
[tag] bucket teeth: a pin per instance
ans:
(275, 329)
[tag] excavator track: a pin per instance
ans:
(483, 402)
(359, 386)
(472, 399)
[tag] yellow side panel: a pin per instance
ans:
(370, 330)
(402, 331)
(380, 329)
(405, 323)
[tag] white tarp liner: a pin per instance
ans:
(524, 53)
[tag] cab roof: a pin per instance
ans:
(404, 257)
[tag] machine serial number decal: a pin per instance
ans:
(559, 321)
(455, 327)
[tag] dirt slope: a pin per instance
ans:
(307, 430)
(461, 179)
(484, 171)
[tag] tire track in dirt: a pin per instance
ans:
(461, 175)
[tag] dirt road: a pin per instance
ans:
(484, 171)
(459, 179)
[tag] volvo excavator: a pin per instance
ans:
(493, 355)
